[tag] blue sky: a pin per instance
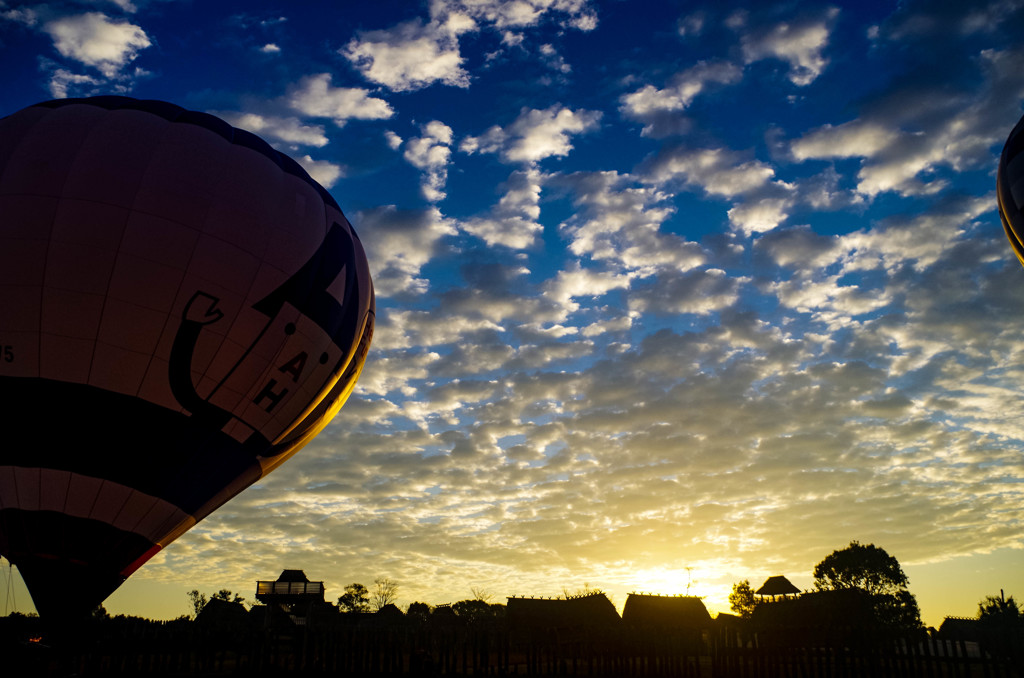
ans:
(660, 285)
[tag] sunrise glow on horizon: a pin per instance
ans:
(670, 295)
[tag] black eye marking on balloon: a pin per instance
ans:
(307, 290)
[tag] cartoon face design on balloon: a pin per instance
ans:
(309, 318)
(183, 309)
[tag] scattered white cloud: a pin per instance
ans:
(659, 108)
(63, 80)
(943, 20)
(760, 215)
(799, 247)
(572, 284)
(800, 43)
(270, 48)
(519, 14)
(416, 54)
(905, 137)
(513, 221)
(289, 130)
(399, 243)
(692, 25)
(323, 172)
(124, 5)
(393, 140)
(856, 138)
(409, 56)
(534, 135)
(22, 15)
(619, 224)
(764, 201)
(431, 154)
(314, 96)
(554, 60)
(919, 242)
(699, 292)
(95, 40)
(718, 171)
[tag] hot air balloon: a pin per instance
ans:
(181, 309)
(1010, 189)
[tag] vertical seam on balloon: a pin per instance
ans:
(131, 211)
(172, 317)
(323, 391)
(289, 427)
(220, 346)
(67, 491)
(14, 480)
(99, 491)
(49, 249)
(110, 275)
(121, 507)
(135, 525)
(125, 534)
(282, 181)
(62, 540)
(266, 327)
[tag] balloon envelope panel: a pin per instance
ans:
(184, 307)
(1010, 189)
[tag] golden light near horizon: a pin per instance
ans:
(660, 285)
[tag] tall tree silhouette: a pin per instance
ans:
(355, 599)
(870, 569)
(385, 592)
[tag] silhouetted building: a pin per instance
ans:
(960, 628)
(777, 586)
(220, 612)
(666, 611)
(444, 615)
(591, 610)
(817, 617)
(292, 594)
(291, 587)
(390, 615)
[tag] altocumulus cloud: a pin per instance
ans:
(714, 288)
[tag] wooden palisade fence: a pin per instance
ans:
(138, 647)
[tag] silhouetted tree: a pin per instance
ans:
(385, 592)
(1001, 611)
(476, 612)
(480, 593)
(197, 600)
(355, 599)
(418, 612)
(870, 569)
(898, 610)
(228, 595)
(742, 600)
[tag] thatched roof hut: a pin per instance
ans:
(777, 586)
(666, 611)
(578, 611)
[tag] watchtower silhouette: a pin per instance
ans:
(292, 594)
